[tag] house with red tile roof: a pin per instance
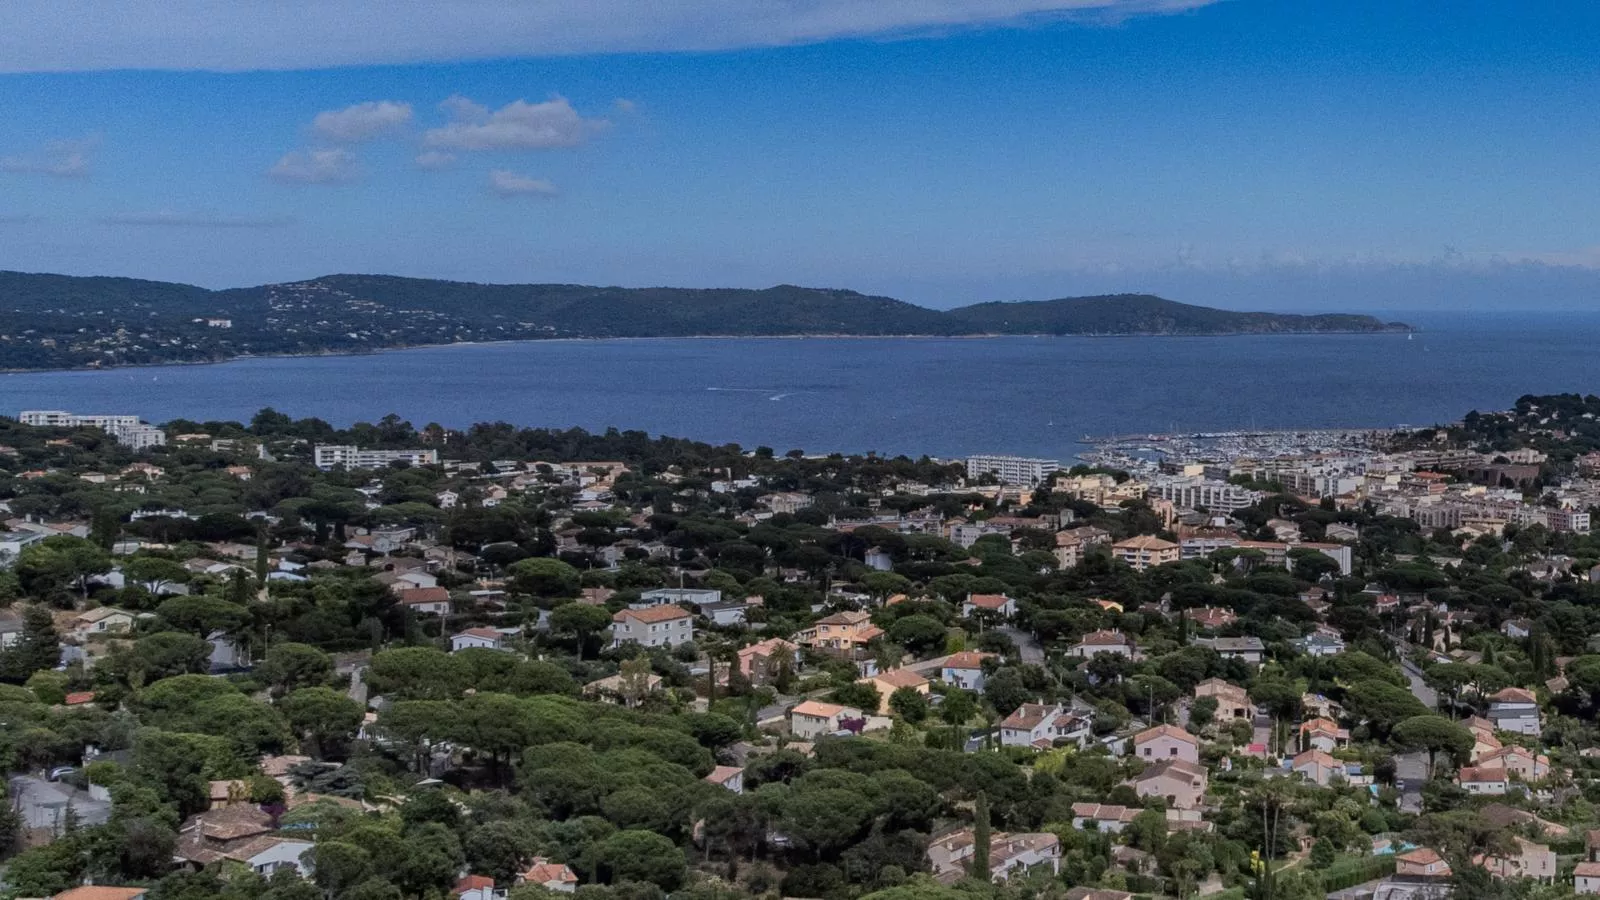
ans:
(476, 887)
(997, 606)
(549, 875)
(434, 601)
(964, 670)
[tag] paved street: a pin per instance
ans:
(1411, 769)
(1028, 647)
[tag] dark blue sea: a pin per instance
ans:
(945, 397)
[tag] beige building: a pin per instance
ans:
(886, 683)
(1531, 860)
(1182, 784)
(1232, 701)
(814, 718)
(1146, 551)
(1165, 742)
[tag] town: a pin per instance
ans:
(279, 660)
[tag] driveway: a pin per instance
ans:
(1028, 646)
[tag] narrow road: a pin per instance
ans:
(1028, 647)
(1411, 769)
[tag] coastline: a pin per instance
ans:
(395, 348)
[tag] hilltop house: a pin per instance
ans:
(845, 634)
(886, 683)
(1166, 742)
(1104, 642)
(1009, 854)
(964, 670)
(1317, 766)
(1183, 784)
(1232, 701)
(814, 718)
(657, 626)
(1039, 726)
(998, 607)
(1515, 709)
(761, 662)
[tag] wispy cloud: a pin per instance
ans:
(326, 166)
(198, 219)
(519, 125)
(510, 184)
(434, 160)
(49, 35)
(58, 159)
(19, 218)
(363, 121)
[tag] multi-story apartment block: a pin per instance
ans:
(1192, 492)
(1011, 469)
(1146, 551)
(127, 430)
(328, 456)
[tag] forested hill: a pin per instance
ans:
(59, 321)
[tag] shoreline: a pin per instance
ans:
(396, 348)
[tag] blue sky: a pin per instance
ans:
(1241, 153)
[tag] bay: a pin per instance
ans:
(945, 397)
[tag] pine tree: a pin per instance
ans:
(39, 647)
(980, 837)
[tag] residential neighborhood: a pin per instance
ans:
(526, 662)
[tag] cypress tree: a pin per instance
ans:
(980, 837)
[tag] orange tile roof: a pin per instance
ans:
(473, 882)
(654, 614)
(101, 892)
(1171, 731)
(818, 709)
(966, 659)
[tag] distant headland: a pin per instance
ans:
(63, 321)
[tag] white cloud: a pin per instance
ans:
(331, 166)
(510, 184)
(519, 125)
(58, 159)
(243, 35)
(200, 219)
(363, 121)
(434, 160)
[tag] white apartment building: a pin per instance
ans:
(128, 430)
(1011, 469)
(56, 418)
(1191, 492)
(1311, 483)
(328, 456)
(139, 436)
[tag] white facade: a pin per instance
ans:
(138, 436)
(652, 627)
(1011, 469)
(1192, 492)
(55, 418)
(128, 430)
(328, 456)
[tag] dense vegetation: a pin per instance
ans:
(57, 321)
(478, 761)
